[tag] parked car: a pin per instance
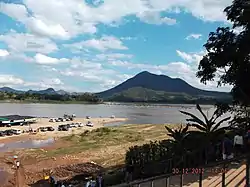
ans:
(79, 124)
(73, 125)
(43, 129)
(68, 125)
(89, 124)
(9, 132)
(50, 129)
(16, 131)
(52, 120)
(63, 128)
(88, 117)
(58, 120)
(2, 133)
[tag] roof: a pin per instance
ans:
(4, 119)
(15, 117)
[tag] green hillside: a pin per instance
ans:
(139, 94)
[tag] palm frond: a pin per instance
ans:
(199, 127)
(220, 122)
(169, 130)
(194, 117)
(202, 113)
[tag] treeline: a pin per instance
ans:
(84, 97)
(168, 100)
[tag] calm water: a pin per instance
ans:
(155, 114)
(28, 144)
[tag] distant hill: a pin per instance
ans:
(49, 91)
(10, 90)
(146, 86)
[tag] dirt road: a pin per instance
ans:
(20, 177)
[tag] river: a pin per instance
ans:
(137, 114)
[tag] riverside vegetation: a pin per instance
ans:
(52, 98)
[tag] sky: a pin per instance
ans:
(94, 45)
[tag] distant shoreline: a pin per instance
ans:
(48, 102)
(95, 103)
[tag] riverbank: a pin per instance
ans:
(44, 122)
(105, 146)
(48, 102)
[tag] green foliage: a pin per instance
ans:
(139, 94)
(228, 53)
(85, 97)
(207, 126)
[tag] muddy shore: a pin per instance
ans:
(44, 122)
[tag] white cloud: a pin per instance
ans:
(39, 27)
(206, 10)
(129, 38)
(113, 56)
(16, 11)
(190, 57)
(46, 60)
(193, 36)
(102, 44)
(52, 81)
(77, 17)
(10, 79)
(22, 42)
(154, 17)
(185, 70)
(4, 53)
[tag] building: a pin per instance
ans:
(16, 120)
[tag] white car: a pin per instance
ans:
(79, 124)
(16, 131)
(88, 117)
(73, 125)
(90, 124)
(52, 120)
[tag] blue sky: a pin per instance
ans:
(93, 45)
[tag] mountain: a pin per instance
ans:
(49, 91)
(10, 90)
(146, 86)
(62, 92)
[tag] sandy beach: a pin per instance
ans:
(44, 122)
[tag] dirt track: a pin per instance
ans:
(20, 177)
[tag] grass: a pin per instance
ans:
(108, 137)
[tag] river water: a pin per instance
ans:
(137, 114)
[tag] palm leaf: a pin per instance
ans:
(169, 130)
(197, 122)
(194, 117)
(202, 113)
(185, 129)
(199, 127)
(220, 122)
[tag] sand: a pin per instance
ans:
(44, 122)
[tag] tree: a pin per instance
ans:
(206, 126)
(209, 130)
(179, 149)
(228, 53)
(178, 135)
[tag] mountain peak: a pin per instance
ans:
(147, 80)
(50, 89)
(144, 72)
